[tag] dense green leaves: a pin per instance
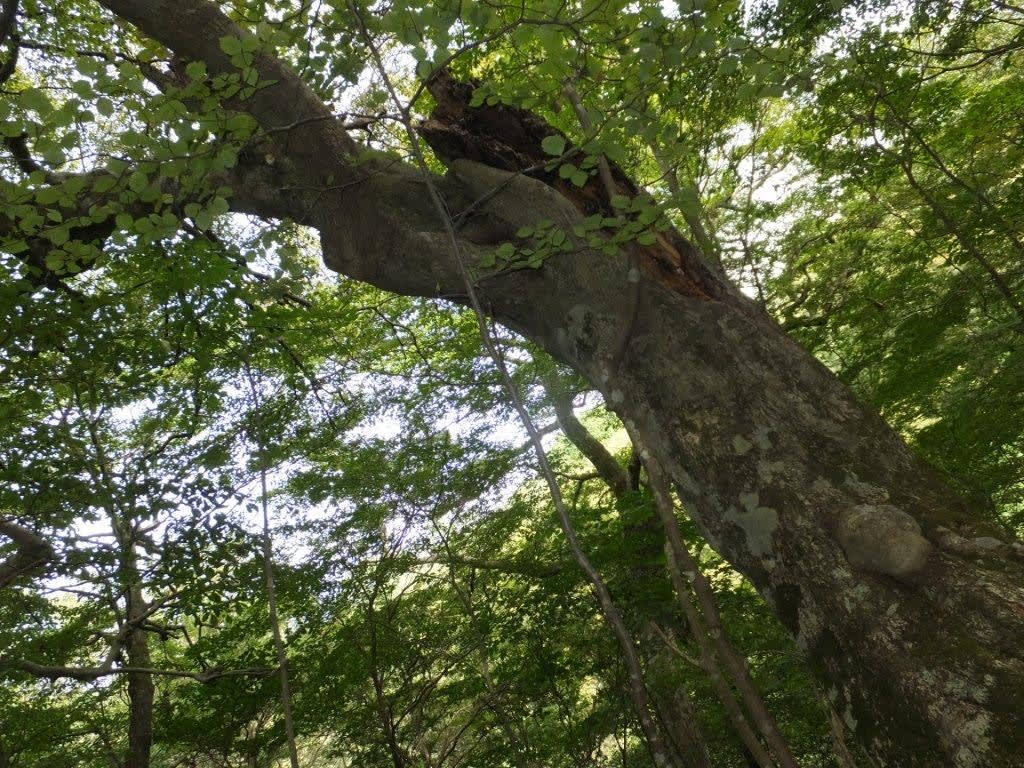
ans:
(861, 179)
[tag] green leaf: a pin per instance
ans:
(505, 251)
(35, 99)
(59, 235)
(649, 52)
(424, 69)
(138, 181)
(231, 45)
(54, 260)
(196, 70)
(553, 145)
(169, 222)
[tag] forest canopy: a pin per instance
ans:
(437, 384)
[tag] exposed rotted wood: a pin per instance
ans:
(509, 137)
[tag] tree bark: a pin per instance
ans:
(811, 495)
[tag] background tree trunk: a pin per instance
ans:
(141, 689)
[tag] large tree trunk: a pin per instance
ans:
(914, 631)
(813, 497)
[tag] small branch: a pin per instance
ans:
(358, 122)
(85, 674)
(538, 570)
(239, 261)
(462, 216)
(674, 647)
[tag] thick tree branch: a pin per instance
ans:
(193, 30)
(33, 551)
(18, 147)
(8, 16)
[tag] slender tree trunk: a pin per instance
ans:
(280, 651)
(673, 705)
(674, 709)
(387, 722)
(723, 690)
(141, 689)
(671, 702)
(724, 649)
(839, 748)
